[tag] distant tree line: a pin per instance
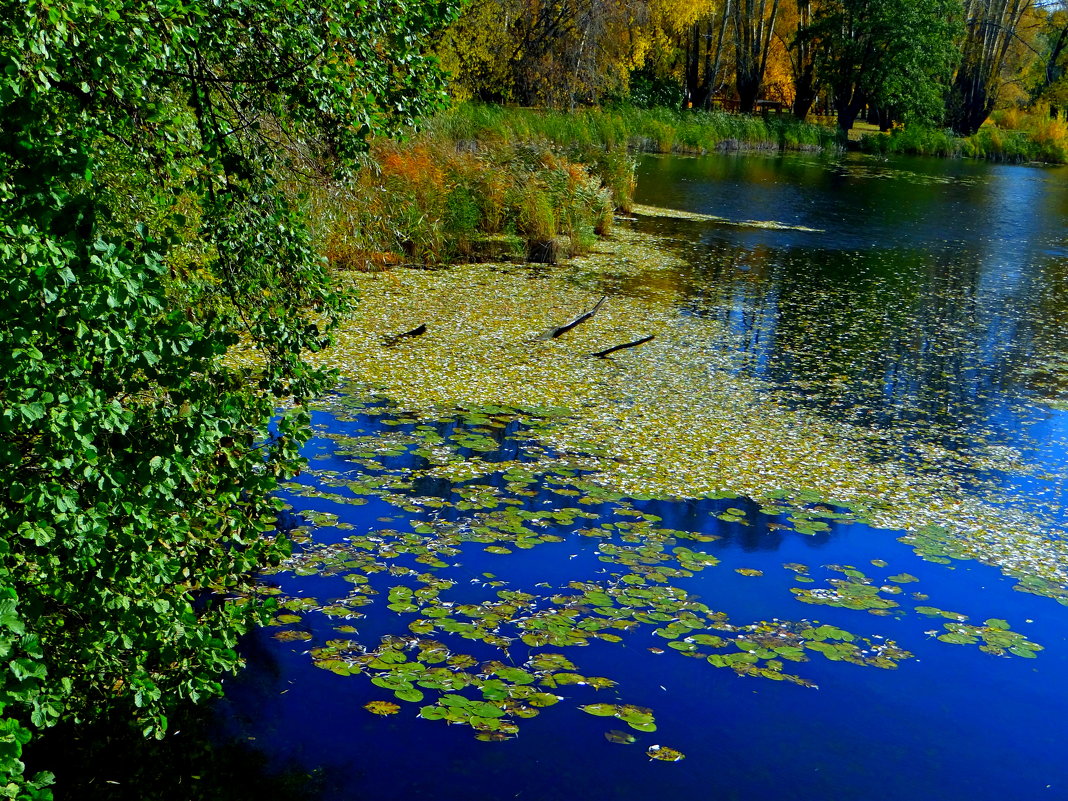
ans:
(942, 62)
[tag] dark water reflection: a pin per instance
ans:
(932, 303)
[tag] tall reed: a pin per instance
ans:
(1011, 136)
(434, 199)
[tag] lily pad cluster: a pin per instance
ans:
(487, 647)
(995, 635)
(471, 649)
(479, 648)
(637, 717)
(854, 591)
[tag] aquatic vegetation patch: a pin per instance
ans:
(488, 503)
(674, 214)
(383, 708)
(664, 754)
(995, 635)
(854, 591)
(716, 428)
(637, 717)
(470, 644)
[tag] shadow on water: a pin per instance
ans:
(113, 762)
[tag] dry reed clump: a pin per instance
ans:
(1052, 137)
(436, 200)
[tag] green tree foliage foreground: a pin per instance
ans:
(142, 236)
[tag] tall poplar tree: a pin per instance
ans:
(991, 27)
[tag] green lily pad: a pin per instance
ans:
(292, 636)
(600, 710)
(543, 699)
(903, 578)
(409, 694)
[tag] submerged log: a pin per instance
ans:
(553, 333)
(603, 353)
(395, 338)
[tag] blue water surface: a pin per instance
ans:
(952, 723)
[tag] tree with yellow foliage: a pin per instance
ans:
(555, 53)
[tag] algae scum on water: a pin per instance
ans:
(684, 416)
(489, 500)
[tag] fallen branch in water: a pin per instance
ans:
(553, 333)
(602, 353)
(395, 338)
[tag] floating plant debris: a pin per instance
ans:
(381, 708)
(995, 635)
(855, 591)
(636, 717)
(509, 507)
(665, 754)
(652, 211)
(520, 499)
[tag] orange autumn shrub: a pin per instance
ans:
(434, 199)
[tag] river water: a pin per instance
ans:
(922, 301)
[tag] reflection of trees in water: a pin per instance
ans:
(763, 532)
(884, 339)
(934, 336)
(1048, 374)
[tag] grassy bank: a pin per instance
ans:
(658, 130)
(486, 182)
(1010, 137)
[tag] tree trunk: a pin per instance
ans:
(754, 26)
(804, 94)
(970, 104)
(803, 65)
(706, 88)
(848, 111)
(713, 77)
(991, 28)
(748, 89)
(693, 64)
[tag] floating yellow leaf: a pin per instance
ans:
(665, 754)
(382, 708)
